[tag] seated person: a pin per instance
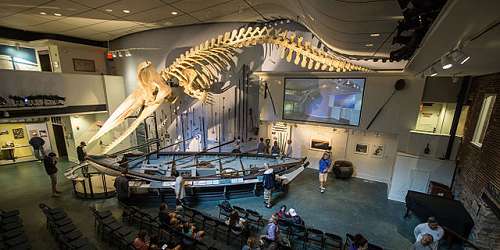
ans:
(154, 243)
(235, 223)
(430, 227)
(272, 230)
(282, 213)
(359, 243)
(296, 219)
(140, 241)
(275, 150)
(199, 235)
(425, 243)
(252, 244)
(164, 216)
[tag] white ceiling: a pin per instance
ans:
(344, 25)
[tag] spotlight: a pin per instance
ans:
(446, 62)
(459, 57)
(114, 54)
(120, 54)
(432, 71)
(127, 53)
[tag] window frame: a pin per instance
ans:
(483, 120)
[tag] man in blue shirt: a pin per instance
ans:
(324, 167)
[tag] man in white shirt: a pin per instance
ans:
(180, 189)
(430, 227)
(289, 150)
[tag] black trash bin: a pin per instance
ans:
(343, 169)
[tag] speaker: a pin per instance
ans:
(400, 84)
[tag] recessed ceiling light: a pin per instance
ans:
(126, 11)
(57, 14)
(369, 45)
(174, 13)
(108, 10)
(374, 34)
(43, 13)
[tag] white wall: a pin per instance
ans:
(414, 173)
(343, 142)
(69, 51)
(78, 89)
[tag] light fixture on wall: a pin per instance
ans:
(446, 62)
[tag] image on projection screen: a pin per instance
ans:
(328, 100)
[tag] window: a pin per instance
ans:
(484, 118)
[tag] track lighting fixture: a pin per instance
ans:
(432, 72)
(459, 57)
(127, 53)
(120, 54)
(446, 62)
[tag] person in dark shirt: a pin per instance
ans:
(49, 163)
(275, 150)
(268, 183)
(37, 143)
(164, 217)
(268, 146)
(121, 186)
(81, 151)
(261, 147)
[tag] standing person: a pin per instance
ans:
(81, 151)
(289, 150)
(37, 143)
(324, 167)
(180, 189)
(430, 227)
(121, 186)
(268, 146)
(425, 243)
(268, 184)
(275, 150)
(50, 162)
(261, 147)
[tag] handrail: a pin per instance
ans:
(155, 151)
(203, 151)
(466, 241)
(150, 141)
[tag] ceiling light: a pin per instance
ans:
(174, 13)
(446, 62)
(432, 71)
(369, 45)
(459, 57)
(108, 10)
(120, 54)
(43, 13)
(114, 54)
(57, 14)
(126, 11)
(374, 34)
(127, 53)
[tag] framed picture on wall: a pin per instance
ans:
(320, 145)
(83, 65)
(43, 133)
(18, 133)
(377, 150)
(361, 148)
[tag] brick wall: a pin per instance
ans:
(479, 167)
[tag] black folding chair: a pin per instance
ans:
(298, 234)
(333, 242)
(254, 218)
(315, 237)
(241, 211)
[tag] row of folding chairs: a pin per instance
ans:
(136, 217)
(67, 235)
(253, 217)
(12, 235)
(348, 241)
(308, 237)
(110, 230)
(214, 227)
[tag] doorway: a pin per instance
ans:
(60, 141)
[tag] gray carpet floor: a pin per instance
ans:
(350, 206)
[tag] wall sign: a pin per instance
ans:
(83, 65)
